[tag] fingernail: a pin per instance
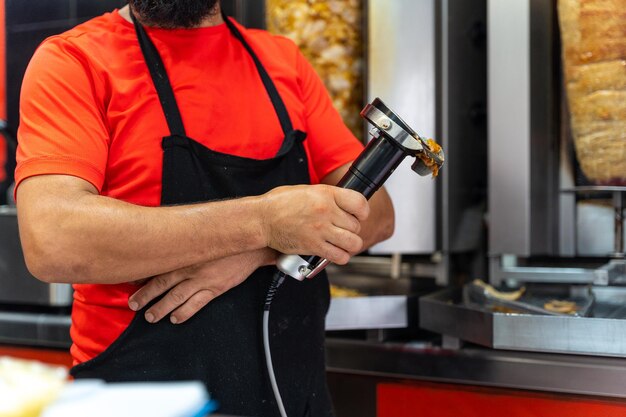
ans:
(173, 319)
(150, 317)
(133, 305)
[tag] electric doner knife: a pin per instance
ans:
(392, 141)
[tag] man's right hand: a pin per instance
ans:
(320, 220)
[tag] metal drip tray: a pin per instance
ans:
(384, 303)
(602, 333)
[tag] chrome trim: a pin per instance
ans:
(293, 265)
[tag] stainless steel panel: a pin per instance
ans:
(384, 303)
(438, 315)
(553, 373)
(462, 130)
(509, 126)
(17, 285)
(521, 274)
(401, 70)
(372, 312)
(523, 128)
(580, 335)
(568, 234)
(545, 95)
(595, 228)
(35, 329)
(603, 334)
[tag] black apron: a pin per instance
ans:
(222, 344)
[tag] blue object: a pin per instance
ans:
(208, 408)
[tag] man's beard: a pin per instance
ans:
(172, 14)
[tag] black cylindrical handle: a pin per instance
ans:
(373, 166)
(369, 171)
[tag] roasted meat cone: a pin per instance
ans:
(593, 34)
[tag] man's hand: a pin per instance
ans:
(381, 220)
(317, 220)
(190, 289)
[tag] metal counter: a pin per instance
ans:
(35, 329)
(555, 373)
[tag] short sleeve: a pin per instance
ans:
(331, 144)
(62, 126)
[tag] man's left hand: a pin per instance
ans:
(190, 289)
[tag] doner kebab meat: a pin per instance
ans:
(593, 34)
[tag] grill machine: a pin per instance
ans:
(538, 222)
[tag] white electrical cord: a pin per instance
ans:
(268, 362)
(277, 281)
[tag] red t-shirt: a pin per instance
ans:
(89, 109)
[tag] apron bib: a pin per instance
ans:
(222, 344)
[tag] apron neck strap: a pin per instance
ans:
(166, 94)
(160, 79)
(277, 101)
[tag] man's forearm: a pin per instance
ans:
(71, 234)
(97, 239)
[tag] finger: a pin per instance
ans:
(352, 202)
(347, 221)
(334, 254)
(345, 240)
(154, 288)
(174, 298)
(194, 304)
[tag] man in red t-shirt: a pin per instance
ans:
(166, 155)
